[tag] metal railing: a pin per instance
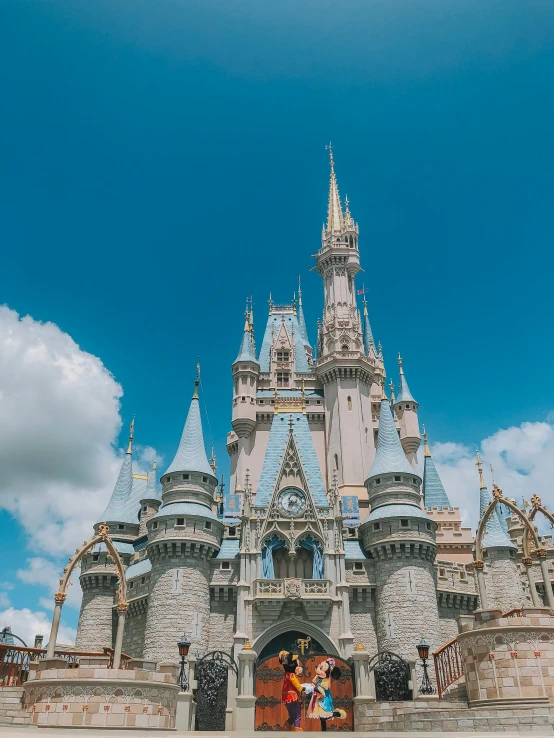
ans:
(15, 661)
(449, 665)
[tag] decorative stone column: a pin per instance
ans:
(246, 699)
(59, 599)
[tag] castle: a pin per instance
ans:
(328, 528)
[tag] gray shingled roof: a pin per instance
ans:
(191, 454)
(390, 457)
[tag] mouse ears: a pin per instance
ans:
(335, 673)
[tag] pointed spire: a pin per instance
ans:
(367, 332)
(434, 494)
(131, 436)
(191, 454)
(246, 350)
(117, 510)
(389, 457)
(391, 387)
(152, 486)
(404, 394)
(495, 535)
(301, 320)
(335, 222)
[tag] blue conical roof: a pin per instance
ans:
(246, 351)
(495, 536)
(367, 332)
(191, 454)
(302, 322)
(117, 510)
(434, 494)
(404, 394)
(389, 457)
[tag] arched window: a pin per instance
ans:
(344, 347)
(349, 402)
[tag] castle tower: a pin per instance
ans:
(343, 367)
(182, 538)
(401, 539)
(454, 541)
(406, 408)
(150, 503)
(503, 582)
(246, 370)
(98, 573)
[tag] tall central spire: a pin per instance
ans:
(335, 220)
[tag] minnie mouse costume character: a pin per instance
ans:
(292, 689)
(321, 704)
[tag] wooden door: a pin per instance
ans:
(271, 713)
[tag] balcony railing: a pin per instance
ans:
(292, 588)
(15, 661)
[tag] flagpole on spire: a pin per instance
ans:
(131, 436)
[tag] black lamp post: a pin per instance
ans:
(183, 645)
(423, 651)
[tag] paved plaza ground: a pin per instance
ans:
(8, 732)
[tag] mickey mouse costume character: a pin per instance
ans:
(321, 703)
(292, 689)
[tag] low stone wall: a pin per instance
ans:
(508, 659)
(99, 697)
(436, 716)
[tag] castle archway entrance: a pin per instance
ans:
(271, 713)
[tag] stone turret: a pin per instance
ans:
(406, 409)
(246, 370)
(503, 581)
(150, 503)
(98, 573)
(183, 536)
(343, 367)
(401, 539)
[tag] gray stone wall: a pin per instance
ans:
(407, 607)
(362, 622)
(135, 628)
(179, 602)
(222, 625)
(503, 581)
(94, 630)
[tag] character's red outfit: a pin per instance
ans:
(290, 696)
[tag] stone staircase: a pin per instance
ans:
(11, 707)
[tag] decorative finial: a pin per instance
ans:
(380, 349)
(131, 436)
(270, 301)
(425, 444)
(360, 647)
(154, 466)
(197, 380)
(212, 462)
(492, 473)
(299, 292)
(400, 363)
(479, 465)
(391, 386)
(329, 148)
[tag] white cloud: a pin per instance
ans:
(45, 573)
(4, 600)
(522, 457)
(59, 421)
(27, 624)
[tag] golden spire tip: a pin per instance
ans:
(479, 465)
(425, 444)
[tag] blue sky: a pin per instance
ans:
(163, 160)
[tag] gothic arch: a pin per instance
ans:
(498, 498)
(102, 536)
(295, 623)
(539, 507)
